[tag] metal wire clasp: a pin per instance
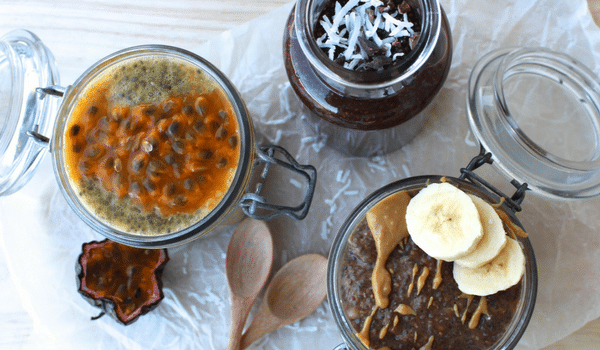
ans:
(252, 203)
(54, 90)
(513, 202)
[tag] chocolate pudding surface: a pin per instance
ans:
(426, 308)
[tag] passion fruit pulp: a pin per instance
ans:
(124, 282)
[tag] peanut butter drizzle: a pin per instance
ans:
(364, 333)
(387, 223)
(515, 230)
(429, 344)
(383, 331)
(411, 286)
(405, 310)
(422, 279)
(437, 279)
(481, 309)
(469, 298)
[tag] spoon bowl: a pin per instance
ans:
(248, 265)
(297, 289)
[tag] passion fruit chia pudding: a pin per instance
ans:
(151, 145)
(421, 306)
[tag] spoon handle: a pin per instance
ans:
(264, 322)
(239, 313)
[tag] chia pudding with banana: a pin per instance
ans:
(435, 268)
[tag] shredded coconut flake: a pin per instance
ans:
(353, 20)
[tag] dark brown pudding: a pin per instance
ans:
(367, 113)
(374, 106)
(426, 308)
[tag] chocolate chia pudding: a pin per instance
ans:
(384, 90)
(425, 302)
(387, 293)
(151, 145)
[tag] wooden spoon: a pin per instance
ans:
(297, 289)
(248, 264)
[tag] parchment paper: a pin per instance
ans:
(42, 237)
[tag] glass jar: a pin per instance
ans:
(29, 131)
(520, 102)
(527, 291)
(538, 112)
(370, 112)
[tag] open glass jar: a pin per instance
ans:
(372, 111)
(152, 146)
(527, 156)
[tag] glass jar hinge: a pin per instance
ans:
(252, 203)
(58, 91)
(513, 202)
(40, 139)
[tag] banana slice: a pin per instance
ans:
(494, 237)
(443, 221)
(503, 272)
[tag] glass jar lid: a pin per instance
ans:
(538, 112)
(25, 65)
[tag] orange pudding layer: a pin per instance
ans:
(152, 145)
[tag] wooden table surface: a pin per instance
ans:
(58, 23)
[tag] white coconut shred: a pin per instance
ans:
(362, 29)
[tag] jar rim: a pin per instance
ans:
(431, 17)
(227, 203)
(496, 125)
(525, 308)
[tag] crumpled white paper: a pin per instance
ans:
(42, 237)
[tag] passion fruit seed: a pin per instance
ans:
(149, 185)
(75, 130)
(233, 141)
(200, 106)
(175, 130)
(168, 107)
(118, 165)
(199, 127)
(205, 154)
(135, 189)
(157, 166)
(178, 147)
(222, 163)
(138, 163)
(92, 110)
(169, 190)
(188, 110)
(77, 147)
(107, 162)
(221, 133)
(94, 152)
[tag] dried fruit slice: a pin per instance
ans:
(503, 272)
(444, 222)
(494, 237)
(125, 282)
